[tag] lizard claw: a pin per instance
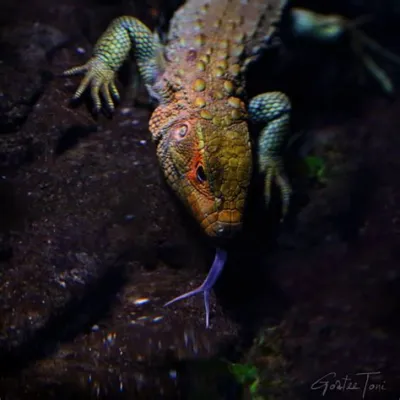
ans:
(100, 79)
(275, 171)
(206, 286)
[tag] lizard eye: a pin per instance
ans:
(179, 131)
(200, 174)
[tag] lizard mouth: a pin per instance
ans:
(223, 230)
(223, 227)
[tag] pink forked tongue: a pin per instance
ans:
(206, 286)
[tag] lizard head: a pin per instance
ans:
(208, 169)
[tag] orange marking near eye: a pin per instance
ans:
(202, 187)
(196, 161)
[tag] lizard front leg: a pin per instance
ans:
(273, 110)
(332, 27)
(111, 50)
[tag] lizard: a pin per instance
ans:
(201, 124)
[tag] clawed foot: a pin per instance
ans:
(206, 286)
(275, 172)
(101, 80)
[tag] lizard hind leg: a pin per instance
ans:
(362, 44)
(273, 110)
(332, 27)
(207, 285)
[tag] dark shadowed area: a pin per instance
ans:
(92, 243)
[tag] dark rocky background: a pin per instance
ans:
(87, 227)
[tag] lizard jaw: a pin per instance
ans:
(207, 285)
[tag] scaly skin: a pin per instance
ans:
(201, 123)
